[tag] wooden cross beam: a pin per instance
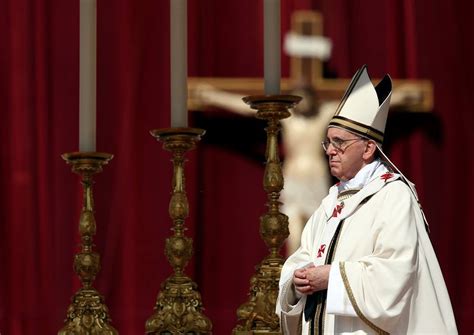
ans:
(412, 95)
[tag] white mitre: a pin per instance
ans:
(363, 109)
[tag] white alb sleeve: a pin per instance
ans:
(338, 302)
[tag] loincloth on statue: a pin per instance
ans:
(303, 196)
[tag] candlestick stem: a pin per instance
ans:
(178, 308)
(87, 313)
(257, 315)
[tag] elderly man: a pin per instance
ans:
(366, 264)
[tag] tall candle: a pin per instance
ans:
(87, 75)
(271, 22)
(179, 64)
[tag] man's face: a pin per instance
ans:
(348, 160)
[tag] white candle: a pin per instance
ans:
(179, 64)
(87, 75)
(271, 22)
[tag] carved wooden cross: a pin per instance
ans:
(420, 97)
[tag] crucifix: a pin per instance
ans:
(408, 94)
(304, 168)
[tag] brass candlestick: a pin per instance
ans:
(87, 313)
(178, 308)
(257, 315)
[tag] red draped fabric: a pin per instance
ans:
(40, 197)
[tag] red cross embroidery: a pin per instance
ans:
(321, 250)
(337, 210)
(386, 176)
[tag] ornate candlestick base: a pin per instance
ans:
(87, 313)
(178, 308)
(257, 315)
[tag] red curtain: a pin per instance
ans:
(40, 197)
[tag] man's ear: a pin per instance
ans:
(370, 149)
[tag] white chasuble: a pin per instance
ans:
(384, 278)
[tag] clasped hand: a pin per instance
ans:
(311, 279)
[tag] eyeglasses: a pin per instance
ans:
(338, 143)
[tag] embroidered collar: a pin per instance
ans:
(346, 194)
(367, 181)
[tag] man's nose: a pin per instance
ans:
(331, 150)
